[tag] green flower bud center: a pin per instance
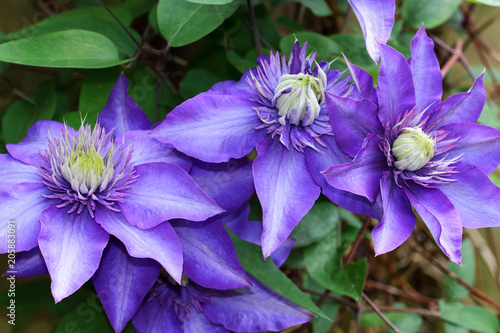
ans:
(87, 162)
(412, 149)
(298, 97)
(85, 167)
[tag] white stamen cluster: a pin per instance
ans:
(298, 97)
(412, 149)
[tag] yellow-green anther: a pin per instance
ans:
(298, 97)
(412, 149)
(85, 168)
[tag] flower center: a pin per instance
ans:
(412, 149)
(84, 167)
(298, 97)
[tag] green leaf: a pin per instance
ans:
(412, 323)
(3, 65)
(318, 7)
(211, 2)
(22, 114)
(266, 272)
(196, 81)
(182, 22)
(67, 49)
(472, 317)
(454, 290)
(88, 317)
(318, 223)
(495, 3)
(96, 19)
(241, 64)
(139, 7)
(96, 87)
(323, 262)
(490, 115)
(432, 13)
(74, 119)
(327, 49)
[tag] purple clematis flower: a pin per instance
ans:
(67, 191)
(287, 102)
(209, 256)
(376, 18)
(192, 308)
(414, 150)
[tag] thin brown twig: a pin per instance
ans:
(455, 56)
(349, 257)
(399, 292)
(449, 49)
(254, 27)
(102, 4)
(380, 314)
(346, 20)
(422, 312)
(473, 290)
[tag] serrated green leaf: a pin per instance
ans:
(96, 19)
(472, 317)
(182, 22)
(318, 223)
(429, 12)
(454, 290)
(250, 257)
(65, 49)
(495, 3)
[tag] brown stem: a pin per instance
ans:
(349, 257)
(401, 293)
(255, 30)
(381, 315)
(455, 56)
(422, 312)
(473, 290)
(102, 4)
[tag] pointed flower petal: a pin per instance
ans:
(154, 317)
(479, 144)
(285, 188)
(460, 108)
(474, 196)
(319, 161)
(425, 70)
(398, 221)
(21, 205)
(395, 92)
(159, 243)
(230, 184)
(376, 18)
(72, 246)
(149, 150)
(440, 217)
(213, 127)
(122, 113)
(30, 263)
(254, 309)
(162, 192)
(362, 175)
(351, 121)
(14, 172)
(28, 151)
(122, 282)
(210, 258)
